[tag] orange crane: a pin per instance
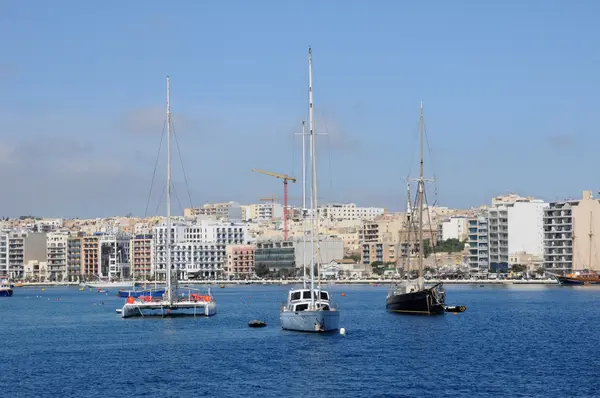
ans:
(285, 179)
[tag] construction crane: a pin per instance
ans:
(285, 179)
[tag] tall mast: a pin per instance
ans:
(313, 191)
(421, 188)
(303, 205)
(589, 266)
(168, 245)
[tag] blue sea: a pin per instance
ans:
(513, 341)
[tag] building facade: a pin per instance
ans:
(239, 261)
(349, 211)
(275, 255)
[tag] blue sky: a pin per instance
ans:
(510, 91)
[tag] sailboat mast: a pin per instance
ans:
(303, 205)
(589, 266)
(168, 245)
(421, 188)
(313, 191)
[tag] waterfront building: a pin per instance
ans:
(369, 232)
(478, 244)
(114, 256)
(572, 235)
(74, 258)
(141, 257)
(276, 255)
(91, 256)
(56, 247)
(3, 255)
(204, 241)
(239, 262)
(330, 248)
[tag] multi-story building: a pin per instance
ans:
(141, 257)
(349, 211)
(56, 246)
(91, 256)
(497, 218)
(275, 255)
(330, 248)
(369, 232)
(571, 238)
(262, 212)
(478, 241)
(205, 239)
(16, 254)
(239, 261)
(378, 252)
(231, 211)
(74, 258)
(114, 256)
(3, 255)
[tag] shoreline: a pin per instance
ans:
(328, 282)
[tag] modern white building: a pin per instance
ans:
(478, 241)
(198, 249)
(526, 227)
(455, 228)
(56, 247)
(262, 212)
(349, 211)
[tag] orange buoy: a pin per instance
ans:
(130, 299)
(343, 294)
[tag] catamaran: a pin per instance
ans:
(310, 309)
(172, 302)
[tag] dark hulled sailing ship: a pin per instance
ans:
(411, 296)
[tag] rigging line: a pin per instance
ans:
(177, 198)
(162, 136)
(160, 198)
(435, 185)
(181, 161)
(430, 231)
(329, 150)
(294, 152)
(412, 153)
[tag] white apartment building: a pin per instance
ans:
(262, 212)
(349, 211)
(3, 254)
(478, 241)
(455, 228)
(198, 249)
(56, 248)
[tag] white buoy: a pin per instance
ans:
(342, 331)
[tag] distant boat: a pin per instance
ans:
(411, 296)
(585, 277)
(155, 293)
(6, 289)
(110, 285)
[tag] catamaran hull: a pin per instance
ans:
(310, 321)
(163, 309)
(421, 302)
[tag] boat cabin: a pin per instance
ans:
(304, 294)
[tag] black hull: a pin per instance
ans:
(421, 302)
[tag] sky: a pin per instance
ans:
(510, 93)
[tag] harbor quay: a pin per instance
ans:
(325, 282)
